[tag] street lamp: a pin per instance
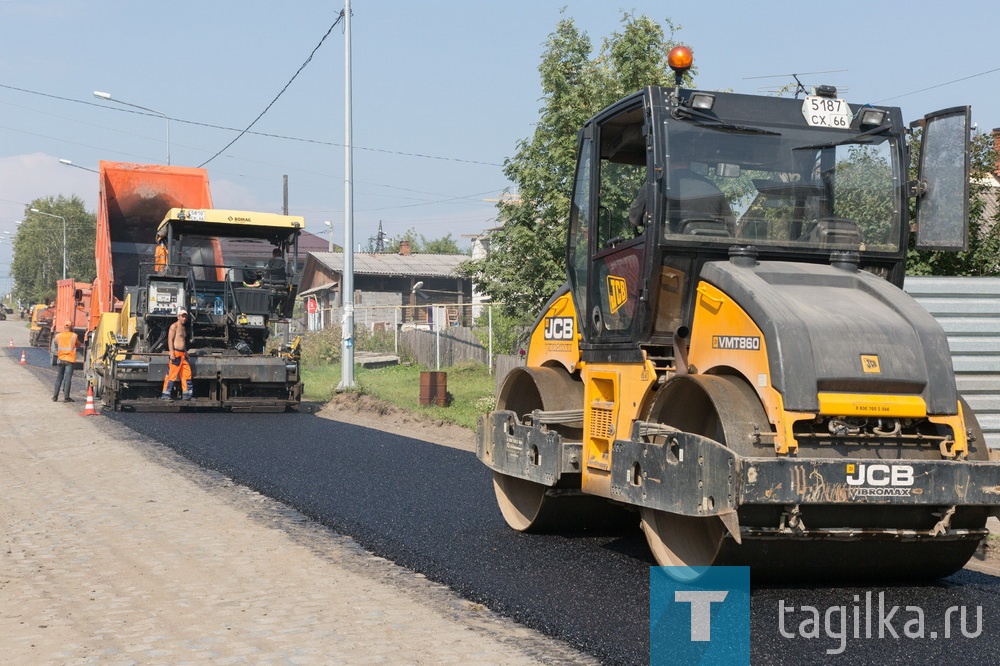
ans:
(329, 227)
(77, 166)
(109, 98)
(35, 210)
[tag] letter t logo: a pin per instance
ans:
(701, 610)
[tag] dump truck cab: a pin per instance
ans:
(733, 356)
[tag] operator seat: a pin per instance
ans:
(827, 231)
(696, 205)
(275, 276)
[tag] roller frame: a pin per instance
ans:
(525, 451)
(692, 475)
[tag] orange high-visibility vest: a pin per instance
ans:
(160, 258)
(67, 343)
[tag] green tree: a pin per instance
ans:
(444, 245)
(983, 255)
(526, 262)
(420, 244)
(38, 247)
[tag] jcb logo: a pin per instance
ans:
(866, 474)
(869, 363)
(558, 328)
(617, 293)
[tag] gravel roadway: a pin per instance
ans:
(116, 550)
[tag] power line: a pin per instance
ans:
(280, 93)
(939, 85)
(269, 135)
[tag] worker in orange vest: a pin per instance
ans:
(160, 257)
(64, 344)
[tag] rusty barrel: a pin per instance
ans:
(434, 388)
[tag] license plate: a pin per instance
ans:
(826, 112)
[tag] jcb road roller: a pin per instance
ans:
(733, 357)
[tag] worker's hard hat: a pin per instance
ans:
(181, 311)
(68, 323)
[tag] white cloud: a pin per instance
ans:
(24, 178)
(228, 195)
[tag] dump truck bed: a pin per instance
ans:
(133, 200)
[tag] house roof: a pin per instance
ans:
(249, 251)
(417, 265)
(310, 242)
(315, 290)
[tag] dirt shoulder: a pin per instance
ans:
(363, 410)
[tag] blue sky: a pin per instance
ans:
(443, 90)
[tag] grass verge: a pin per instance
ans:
(470, 388)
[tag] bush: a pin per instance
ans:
(321, 347)
(509, 335)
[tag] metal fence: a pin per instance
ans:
(968, 308)
(437, 336)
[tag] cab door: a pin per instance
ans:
(619, 239)
(943, 181)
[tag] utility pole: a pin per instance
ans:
(347, 281)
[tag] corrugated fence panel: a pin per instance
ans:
(968, 309)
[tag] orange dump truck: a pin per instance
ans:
(133, 200)
(73, 304)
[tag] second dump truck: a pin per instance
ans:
(733, 358)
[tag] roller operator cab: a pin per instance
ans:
(733, 357)
(234, 272)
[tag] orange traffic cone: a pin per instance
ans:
(24, 360)
(12, 343)
(89, 409)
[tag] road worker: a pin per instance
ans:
(64, 344)
(160, 257)
(179, 369)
